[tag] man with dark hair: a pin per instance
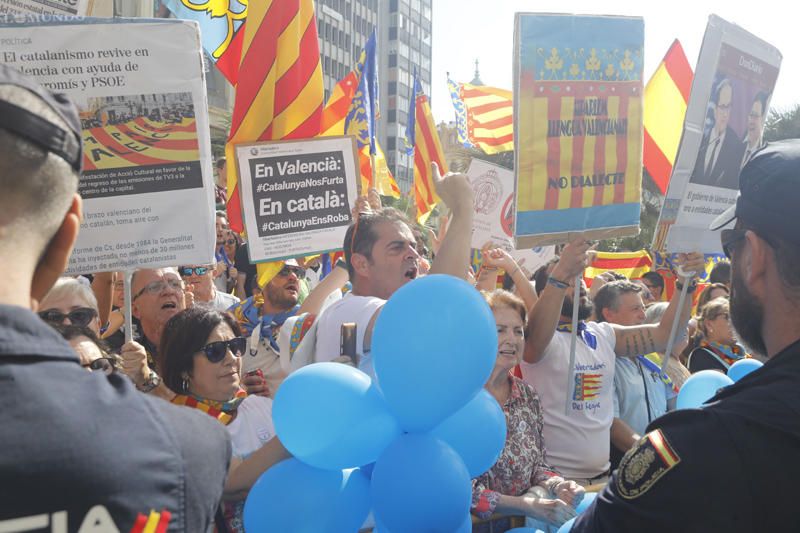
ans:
(745, 440)
(642, 392)
(80, 450)
(221, 183)
(381, 254)
(755, 126)
(655, 283)
(577, 421)
(718, 161)
(721, 273)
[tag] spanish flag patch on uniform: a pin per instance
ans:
(644, 464)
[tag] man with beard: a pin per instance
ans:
(577, 428)
(732, 464)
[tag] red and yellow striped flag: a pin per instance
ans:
(423, 139)
(665, 98)
(630, 264)
(490, 117)
(279, 92)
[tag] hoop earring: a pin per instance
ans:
(184, 385)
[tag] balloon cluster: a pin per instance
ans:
(405, 446)
(702, 386)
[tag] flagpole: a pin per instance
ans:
(374, 181)
(576, 304)
(684, 277)
(127, 276)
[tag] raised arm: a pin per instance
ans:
(499, 258)
(543, 320)
(332, 282)
(456, 192)
(640, 340)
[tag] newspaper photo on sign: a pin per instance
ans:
(297, 196)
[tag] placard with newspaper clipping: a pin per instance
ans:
(297, 196)
(147, 183)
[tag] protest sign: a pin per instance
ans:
(531, 259)
(297, 196)
(493, 188)
(74, 8)
(735, 76)
(578, 126)
(147, 180)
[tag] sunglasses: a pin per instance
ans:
(729, 237)
(230, 242)
(103, 364)
(197, 271)
(157, 287)
(289, 269)
(78, 317)
(215, 351)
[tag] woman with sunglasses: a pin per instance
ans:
(92, 352)
(200, 360)
(226, 258)
(70, 302)
(715, 343)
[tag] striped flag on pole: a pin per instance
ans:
(335, 112)
(630, 264)
(279, 94)
(484, 116)
(422, 140)
(665, 98)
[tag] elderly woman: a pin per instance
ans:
(70, 302)
(91, 351)
(716, 346)
(520, 482)
(201, 353)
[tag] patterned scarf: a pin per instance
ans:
(583, 333)
(247, 313)
(222, 411)
(728, 354)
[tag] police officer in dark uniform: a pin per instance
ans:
(733, 465)
(78, 450)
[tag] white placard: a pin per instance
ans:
(147, 182)
(493, 188)
(735, 76)
(532, 258)
(297, 195)
(43, 7)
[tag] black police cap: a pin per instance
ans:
(39, 131)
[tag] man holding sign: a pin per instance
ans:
(732, 464)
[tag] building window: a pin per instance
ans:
(392, 33)
(391, 143)
(391, 116)
(393, 60)
(392, 87)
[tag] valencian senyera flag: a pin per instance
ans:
(484, 116)
(279, 94)
(221, 29)
(666, 97)
(578, 126)
(422, 142)
(630, 264)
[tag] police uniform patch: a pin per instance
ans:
(644, 464)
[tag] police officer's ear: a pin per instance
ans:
(55, 257)
(754, 261)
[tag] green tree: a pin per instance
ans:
(782, 124)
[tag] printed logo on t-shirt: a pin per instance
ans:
(265, 434)
(587, 386)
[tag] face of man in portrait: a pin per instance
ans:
(722, 111)
(755, 124)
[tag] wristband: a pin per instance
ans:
(341, 263)
(152, 381)
(690, 289)
(557, 283)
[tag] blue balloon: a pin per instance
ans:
(424, 470)
(293, 497)
(587, 500)
(434, 346)
(700, 387)
(477, 432)
(740, 369)
(523, 530)
(330, 415)
(567, 526)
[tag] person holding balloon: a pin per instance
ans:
(718, 349)
(201, 353)
(520, 482)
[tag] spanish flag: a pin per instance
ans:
(279, 93)
(422, 140)
(665, 98)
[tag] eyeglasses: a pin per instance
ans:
(103, 364)
(290, 269)
(156, 287)
(197, 271)
(230, 242)
(729, 237)
(78, 317)
(215, 351)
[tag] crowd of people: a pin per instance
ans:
(178, 421)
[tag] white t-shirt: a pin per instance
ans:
(221, 302)
(578, 444)
(252, 427)
(351, 308)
